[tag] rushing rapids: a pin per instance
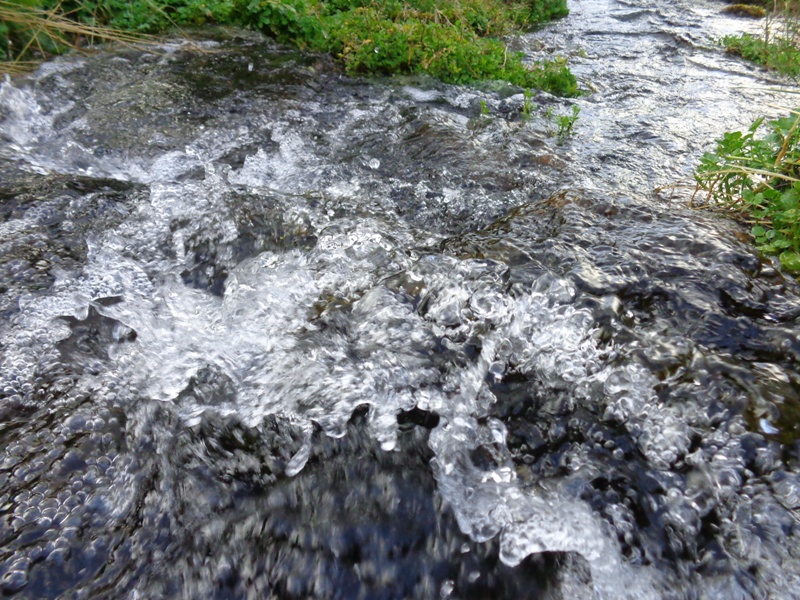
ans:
(268, 331)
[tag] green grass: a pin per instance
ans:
(781, 54)
(756, 178)
(29, 30)
(566, 123)
(777, 47)
(457, 41)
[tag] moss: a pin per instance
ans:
(745, 10)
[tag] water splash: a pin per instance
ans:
(202, 297)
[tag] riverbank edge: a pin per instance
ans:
(456, 41)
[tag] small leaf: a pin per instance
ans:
(790, 260)
(756, 124)
(758, 231)
(782, 244)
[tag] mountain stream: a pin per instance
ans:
(272, 332)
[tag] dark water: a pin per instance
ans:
(270, 332)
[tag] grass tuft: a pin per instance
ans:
(457, 41)
(29, 32)
(745, 10)
(778, 46)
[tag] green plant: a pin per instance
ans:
(757, 180)
(778, 47)
(457, 41)
(385, 40)
(294, 21)
(566, 123)
(527, 104)
(484, 108)
(29, 29)
(781, 54)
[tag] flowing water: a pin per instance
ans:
(271, 332)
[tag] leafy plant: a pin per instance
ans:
(457, 41)
(566, 123)
(781, 54)
(27, 31)
(527, 104)
(778, 47)
(379, 39)
(757, 180)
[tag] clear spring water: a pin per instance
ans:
(268, 331)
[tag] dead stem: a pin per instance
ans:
(59, 29)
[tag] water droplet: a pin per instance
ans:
(14, 581)
(768, 428)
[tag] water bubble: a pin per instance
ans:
(768, 427)
(14, 581)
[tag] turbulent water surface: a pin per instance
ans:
(271, 332)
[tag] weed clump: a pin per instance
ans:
(778, 47)
(31, 29)
(781, 54)
(745, 10)
(566, 123)
(457, 41)
(757, 180)
(453, 48)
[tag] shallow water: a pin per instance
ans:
(269, 331)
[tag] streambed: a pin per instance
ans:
(269, 331)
